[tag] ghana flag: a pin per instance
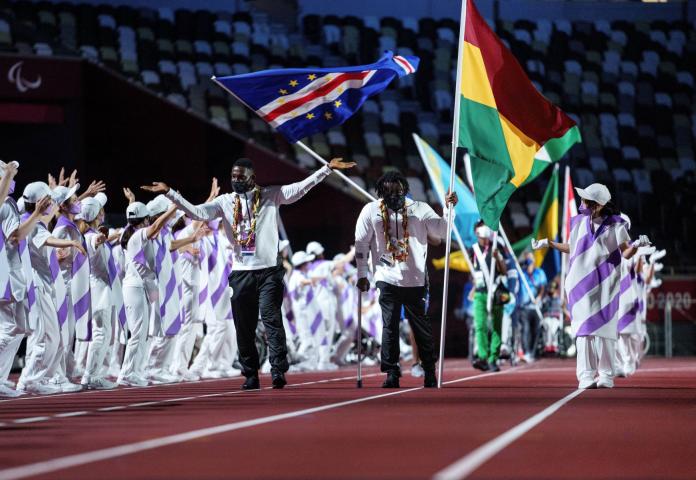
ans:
(511, 131)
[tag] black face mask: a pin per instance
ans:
(395, 202)
(240, 187)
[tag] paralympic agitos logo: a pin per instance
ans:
(14, 75)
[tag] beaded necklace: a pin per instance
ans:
(237, 217)
(399, 250)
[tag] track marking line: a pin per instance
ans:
(466, 465)
(69, 461)
(70, 414)
(159, 402)
(30, 419)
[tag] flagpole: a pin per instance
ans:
(434, 180)
(450, 211)
(566, 185)
(314, 154)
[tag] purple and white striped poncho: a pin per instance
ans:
(629, 302)
(169, 283)
(6, 292)
(5, 287)
(219, 269)
(79, 284)
(594, 275)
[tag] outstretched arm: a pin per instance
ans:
(204, 212)
(26, 227)
(65, 243)
(293, 192)
(6, 180)
(546, 243)
(154, 229)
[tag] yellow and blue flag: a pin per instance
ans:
(300, 102)
(466, 211)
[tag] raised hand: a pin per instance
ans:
(537, 244)
(62, 181)
(10, 168)
(214, 190)
(156, 187)
(52, 182)
(451, 198)
(42, 205)
(80, 248)
(130, 196)
(339, 164)
(95, 187)
(73, 180)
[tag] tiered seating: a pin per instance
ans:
(630, 86)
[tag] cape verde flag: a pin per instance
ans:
(300, 102)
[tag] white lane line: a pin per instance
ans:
(70, 461)
(70, 414)
(31, 419)
(466, 465)
(158, 402)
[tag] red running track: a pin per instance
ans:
(479, 426)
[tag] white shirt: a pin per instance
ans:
(40, 255)
(369, 237)
(266, 253)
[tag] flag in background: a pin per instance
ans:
(570, 208)
(545, 226)
(457, 262)
(511, 131)
(466, 212)
(300, 102)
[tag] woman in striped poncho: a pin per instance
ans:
(598, 242)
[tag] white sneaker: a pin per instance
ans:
(66, 386)
(8, 383)
(586, 384)
(233, 372)
(99, 384)
(161, 378)
(190, 377)
(212, 374)
(42, 388)
(621, 372)
(327, 366)
(8, 392)
(528, 358)
(133, 381)
(417, 370)
(605, 382)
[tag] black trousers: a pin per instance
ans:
(391, 299)
(257, 291)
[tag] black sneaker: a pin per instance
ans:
(392, 381)
(279, 380)
(493, 367)
(481, 365)
(430, 380)
(251, 383)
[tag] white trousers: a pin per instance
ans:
(12, 329)
(185, 341)
(209, 355)
(114, 349)
(98, 348)
(628, 351)
(596, 356)
(161, 355)
(138, 320)
(43, 359)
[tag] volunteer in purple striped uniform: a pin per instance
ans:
(300, 288)
(103, 312)
(113, 360)
(249, 217)
(140, 288)
(74, 267)
(598, 243)
(395, 229)
(41, 373)
(165, 320)
(15, 281)
(345, 277)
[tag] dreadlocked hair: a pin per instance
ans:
(392, 176)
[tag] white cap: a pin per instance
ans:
(483, 231)
(3, 164)
(159, 204)
(338, 257)
(596, 192)
(62, 194)
(90, 209)
(101, 198)
(283, 244)
(315, 248)
(298, 258)
(137, 210)
(35, 191)
(20, 205)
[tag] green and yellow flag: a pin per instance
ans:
(545, 226)
(511, 131)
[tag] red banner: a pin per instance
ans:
(680, 292)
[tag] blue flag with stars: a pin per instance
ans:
(301, 102)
